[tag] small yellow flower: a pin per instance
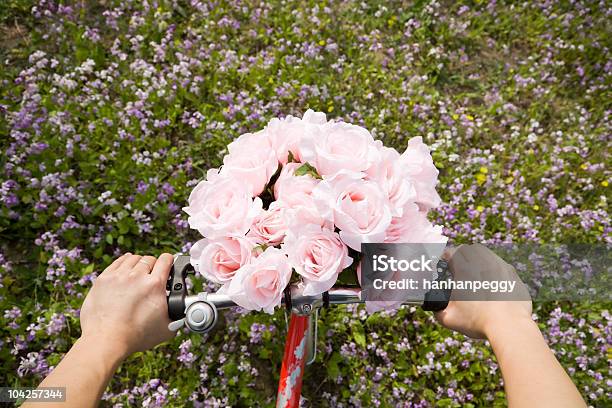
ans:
(600, 228)
(536, 207)
(330, 108)
(480, 208)
(605, 183)
(455, 116)
(484, 170)
(270, 80)
(322, 43)
(469, 117)
(584, 166)
(509, 179)
(481, 178)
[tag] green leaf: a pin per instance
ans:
(307, 170)
(429, 395)
(445, 402)
(333, 371)
(124, 226)
(263, 247)
(109, 239)
(88, 269)
(98, 252)
(359, 335)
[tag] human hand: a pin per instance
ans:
(126, 307)
(479, 318)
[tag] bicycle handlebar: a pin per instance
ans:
(336, 296)
(199, 312)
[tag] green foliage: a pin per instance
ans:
(307, 169)
(513, 98)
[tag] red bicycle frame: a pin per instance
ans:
(294, 360)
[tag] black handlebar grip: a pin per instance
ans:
(177, 288)
(437, 299)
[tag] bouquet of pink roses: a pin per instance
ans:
(300, 196)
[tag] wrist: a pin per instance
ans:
(112, 349)
(511, 326)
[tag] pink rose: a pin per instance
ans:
(421, 172)
(287, 134)
(294, 190)
(340, 146)
(259, 284)
(219, 259)
(414, 227)
(357, 207)
(247, 141)
(316, 118)
(294, 193)
(318, 255)
(222, 206)
(392, 176)
(251, 160)
(270, 226)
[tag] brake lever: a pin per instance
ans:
(437, 299)
(195, 312)
(176, 287)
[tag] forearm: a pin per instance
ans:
(85, 371)
(532, 375)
